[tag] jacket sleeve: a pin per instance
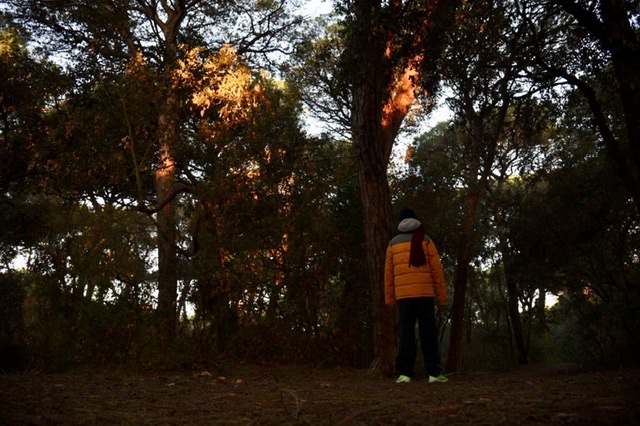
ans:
(389, 285)
(439, 283)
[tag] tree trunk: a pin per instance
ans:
(512, 287)
(372, 159)
(454, 357)
(516, 322)
(166, 222)
(375, 126)
(377, 217)
(480, 149)
(466, 240)
(373, 151)
(165, 175)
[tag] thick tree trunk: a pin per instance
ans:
(375, 125)
(373, 150)
(384, 321)
(625, 55)
(372, 159)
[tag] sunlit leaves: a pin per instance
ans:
(221, 84)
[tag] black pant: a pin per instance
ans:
(422, 310)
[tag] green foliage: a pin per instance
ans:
(64, 329)
(286, 260)
(84, 288)
(594, 333)
(318, 69)
(432, 184)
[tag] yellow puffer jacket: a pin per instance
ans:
(403, 281)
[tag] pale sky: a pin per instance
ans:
(317, 7)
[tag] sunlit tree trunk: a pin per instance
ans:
(166, 221)
(165, 174)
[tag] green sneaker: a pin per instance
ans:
(403, 379)
(438, 379)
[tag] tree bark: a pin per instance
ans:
(372, 156)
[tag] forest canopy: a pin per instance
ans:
(163, 202)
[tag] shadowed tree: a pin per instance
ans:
(99, 38)
(484, 87)
(574, 41)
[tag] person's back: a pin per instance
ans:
(404, 278)
(414, 279)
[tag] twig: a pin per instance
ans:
(295, 398)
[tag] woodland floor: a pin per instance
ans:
(277, 395)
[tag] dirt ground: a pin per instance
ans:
(285, 395)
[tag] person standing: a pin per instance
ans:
(414, 279)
